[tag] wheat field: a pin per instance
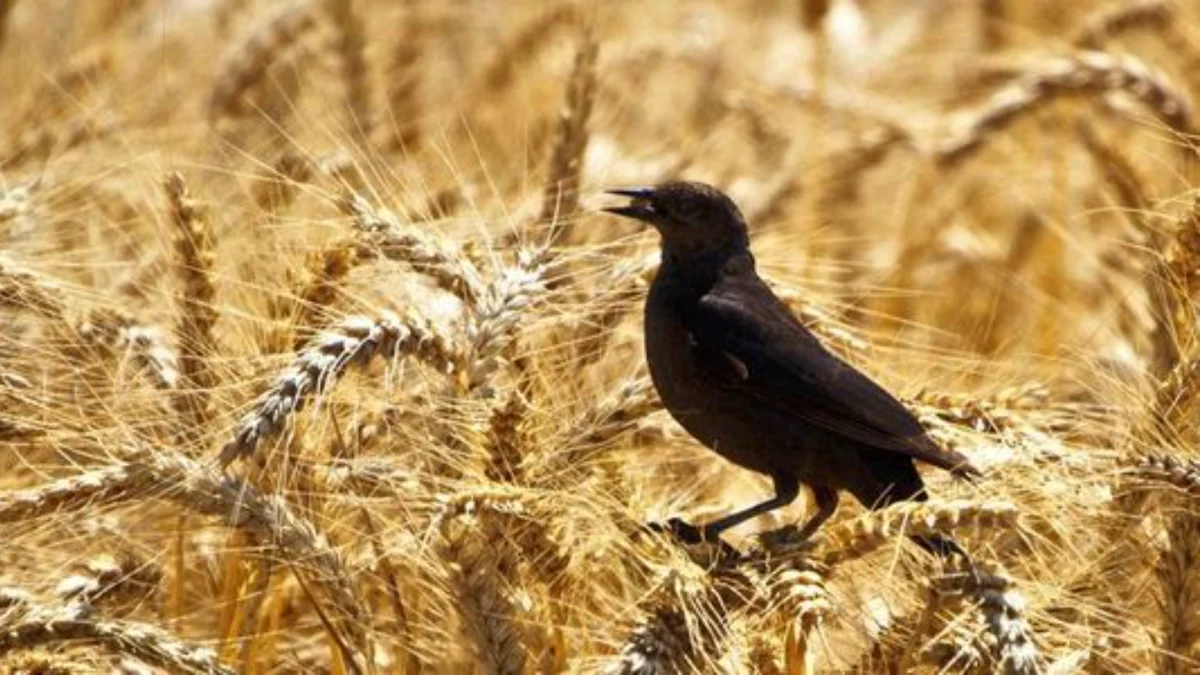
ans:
(318, 356)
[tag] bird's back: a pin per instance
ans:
(740, 373)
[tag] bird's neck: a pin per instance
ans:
(700, 272)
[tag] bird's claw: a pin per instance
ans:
(682, 531)
(690, 535)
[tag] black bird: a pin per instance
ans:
(737, 370)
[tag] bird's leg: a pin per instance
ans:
(786, 490)
(827, 503)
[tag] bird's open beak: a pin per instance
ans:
(639, 208)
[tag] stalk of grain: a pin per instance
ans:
(105, 335)
(524, 46)
(496, 315)
(6, 7)
(384, 235)
(993, 20)
(477, 553)
(244, 66)
(277, 96)
(201, 489)
(36, 627)
(1179, 592)
(594, 429)
(508, 441)
(1084, 74)
(327, 271)
(1173, 280)
(614, 299)
(195, 253)
(404, 82)
(857, 538)
(280, 186)
(560, 199)
(24, 290)
(801, 598)
(1003, 608)
(354, 342)
(1111, 22)
(41, 141)
(685, 624)
(351, 46)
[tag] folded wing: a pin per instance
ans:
(757, 347)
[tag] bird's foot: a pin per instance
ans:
(691, 535)
(682, 531)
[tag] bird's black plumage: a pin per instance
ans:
(737, 370)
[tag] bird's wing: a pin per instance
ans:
(753, 344)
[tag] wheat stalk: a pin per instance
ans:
(40, 142)
(1179, 591)
(1003, 609)
(404, 82)
(684, 626)
(1173, 280)
(23, 290)
(1086, 73)
(145, 474)
(862, 536)
(384, 235)
(278, 189)
(1111, 22)
(560, 200)
(194, 258)
(497, 313)
(355, 341)
(355, 71)
(244, 66)
(476, 551)
(524, 46)
(41, 626)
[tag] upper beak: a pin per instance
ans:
(639, 208)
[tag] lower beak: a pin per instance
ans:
(638, 209)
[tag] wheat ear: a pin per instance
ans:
(246, 64)
(1111, 22)
(356, 75)
(1086, 73)
(39, 627)
(356, 341)
(476, 551)
(21, 289)
(201, 489)
(860, 537)
(194, 258)
(384, 235)
(560, 199)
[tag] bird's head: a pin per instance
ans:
(694, 219)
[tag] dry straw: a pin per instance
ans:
(23, 290)
(147, 474)
(385, 235)
(35, 627)
(354, 342)
(1121, 18)
(560, 201)
(1085, 73)
(477, 551)
(195, 254)
(245, 65)
(404, 82)
(351, 46)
